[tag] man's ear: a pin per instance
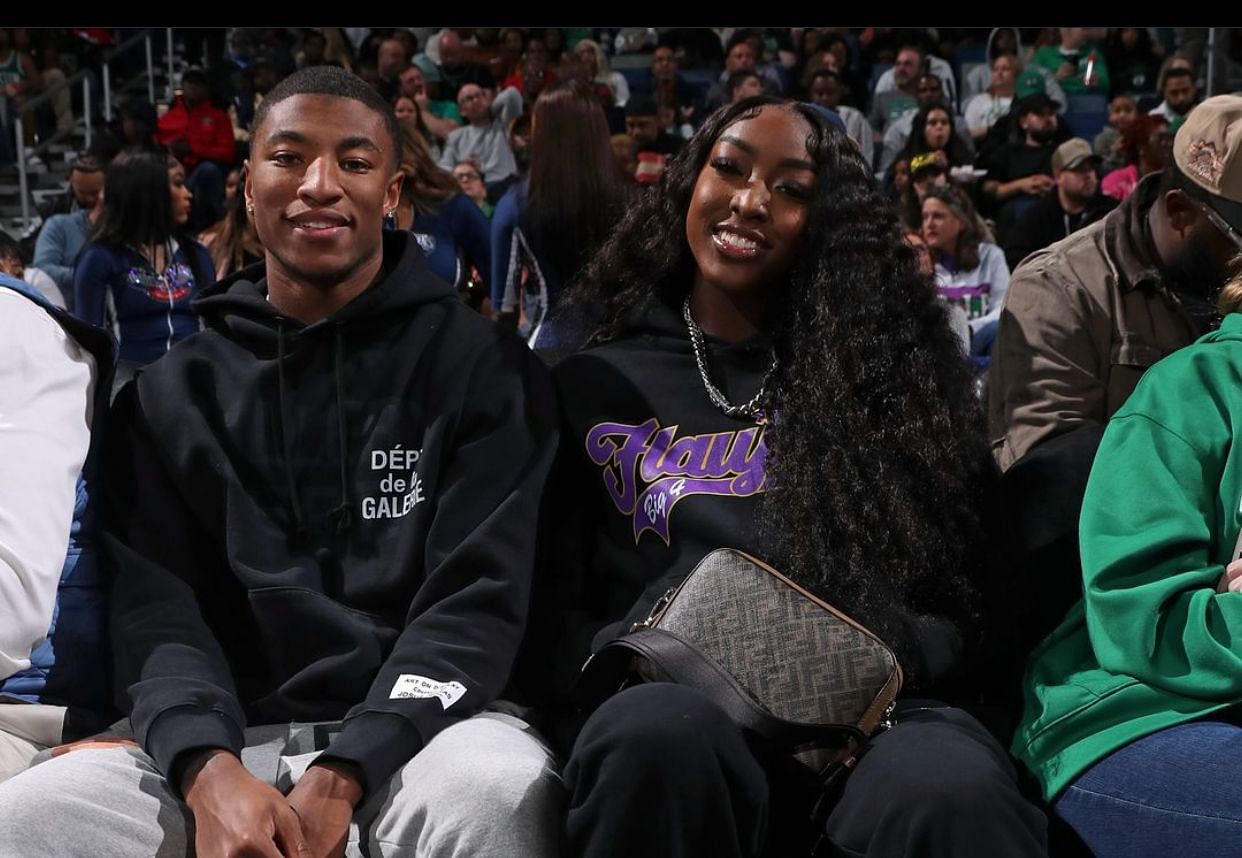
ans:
(392, 197)
(1181, 211)
(246, 189)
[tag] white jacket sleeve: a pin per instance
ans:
(994, 270)
(46, 388)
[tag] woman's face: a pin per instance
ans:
(749, 208)
(405, 109)
(938, 129)
(826, 91)
(940, 226)
(180, 193)
(1121, 112)
(1004, 70)
(901, 175)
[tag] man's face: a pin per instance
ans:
(663, 63)
(321, 175)
(928, 90)
(86, 187)
(194, 91)
(451, 51)
(906, 67)
(1206, 259)
(741, 58)
(391, 58)
(1180, 93)
(750, 86)
(472, 104)
(642, 128)
(470, 181)
(413, 84)
(1040, 124)
(1078, 185)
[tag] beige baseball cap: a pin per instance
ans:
(1071, 153)
(1208, 151)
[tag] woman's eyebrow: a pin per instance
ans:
(796, 163)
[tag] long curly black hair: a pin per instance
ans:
(877, 443)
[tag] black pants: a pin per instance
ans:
(658, 770)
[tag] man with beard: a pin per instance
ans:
(1086, 317)
(1076, 203)
(1020, 171)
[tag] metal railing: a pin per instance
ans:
(19, 130)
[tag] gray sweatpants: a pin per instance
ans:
(487, 786)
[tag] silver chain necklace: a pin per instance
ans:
(749, 409)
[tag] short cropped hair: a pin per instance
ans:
(338, 83)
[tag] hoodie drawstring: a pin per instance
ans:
(343, 514)
(294, 504)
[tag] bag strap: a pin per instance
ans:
(608, 670)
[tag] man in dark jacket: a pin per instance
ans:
(1076, 202)
(322, 516)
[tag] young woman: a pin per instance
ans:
(139, 271)
(772, 373)
(970, 270)
(1132, 704)
(549, 224)
(1146, 146)
(932, 131)
(232, 241)
(603, 79)
(448, 225)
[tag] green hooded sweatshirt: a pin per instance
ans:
(1151, 644)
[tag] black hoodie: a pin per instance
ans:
(327, 521)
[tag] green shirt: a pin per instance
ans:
(1051, 59)
(444, 110)
(1151, 644)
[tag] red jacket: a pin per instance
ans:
(205, 127)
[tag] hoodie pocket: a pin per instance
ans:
(321, 656)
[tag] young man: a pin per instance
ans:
(1180, 95)
(322, 516)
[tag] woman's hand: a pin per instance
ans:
(1231, 581)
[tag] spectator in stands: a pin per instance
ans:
(744, 84)
(1020, 172)
(54, 653)
(408, 110)
(625, 153)
(19, 82)
(983, 110)
(740, 56)
(534, 72)
(233, 243)
(665, 287)
(1180, 95)
(655, 145)
(399, 606)
(86, 178)
(827, 89)
(470, 181)
(672, 120)
(897, 99)
(970, 272)
(553, 221)
(1077, 65)
(448, 225)
(1108, 144)
(439, 117)
(140, 270)
(912, 60)
(1086, 317)
(200, 136)
(390, 61)
(1146, 147)
(925, 170)
(484, 139)
(1029, 77)
(596, 63)
(666, 79)
(61, 239)
(1076, 203)
(1132, 61)
(1129, 721)
(13, 264)
(904, 138)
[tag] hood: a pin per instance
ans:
(663, 326)
(238, 307)
(1017, 38)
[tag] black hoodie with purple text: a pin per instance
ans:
(326, 522)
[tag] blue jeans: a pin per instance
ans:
(1170, 793)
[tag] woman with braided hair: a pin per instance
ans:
(771, 372)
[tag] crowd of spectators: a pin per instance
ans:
(1023, 165)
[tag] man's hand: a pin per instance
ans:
(1231, 581)
(1039, 184)
(324, 801)
(1066, 70)
(236, 814)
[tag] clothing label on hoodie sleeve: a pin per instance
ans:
(410, 685)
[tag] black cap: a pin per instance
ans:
(194, 73)
(1034, 102)
(641, 104)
